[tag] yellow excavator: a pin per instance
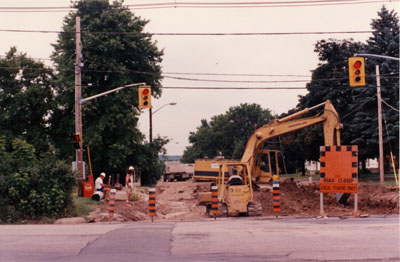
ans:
(236, 199)
(253, 153)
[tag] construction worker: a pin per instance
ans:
(235, 179)
(99, 185)
(130, 178)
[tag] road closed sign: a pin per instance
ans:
(339, 169)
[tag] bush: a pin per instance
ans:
(135, 197)
(32, 187)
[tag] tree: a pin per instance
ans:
(116, 52)
(357, 106)
(226, 134)
(31, 186)
(26, 99)
(385, 41)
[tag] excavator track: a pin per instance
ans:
(254, 209)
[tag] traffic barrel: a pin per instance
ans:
(111, 204)
(152, 203)
(276, 206)
(214, 201)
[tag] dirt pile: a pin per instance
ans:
(303, 199)
(177, 201)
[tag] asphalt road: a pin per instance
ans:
(228, 239)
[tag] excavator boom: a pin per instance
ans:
(329, 117)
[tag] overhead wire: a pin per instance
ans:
(383, 101)
(359, 106)
(188, 34)
(211, 80)
(197, 5)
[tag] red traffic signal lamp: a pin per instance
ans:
(356, 71)
(77, 141)
(144, 97)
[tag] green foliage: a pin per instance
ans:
(135, 197)
(32, 187)
(150, 168)
(83, 206)
(26, 99)
(226, 134)
(357, 106)
(110, 60)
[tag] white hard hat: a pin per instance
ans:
(103, 174)
(131, 168)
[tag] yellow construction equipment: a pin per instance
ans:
(235, 191)
(254, 148)
(256, 165)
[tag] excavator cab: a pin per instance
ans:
(266, 165)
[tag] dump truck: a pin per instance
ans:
(177, 171)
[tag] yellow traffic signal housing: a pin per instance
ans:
(356, 71)
(144, 97)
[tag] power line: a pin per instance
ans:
(211, 80)
(232, 74)
(359, 106)
(176, 4)
(392, 107)
(189, 34)
(231, 88)
(259, 6)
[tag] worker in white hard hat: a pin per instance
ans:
(130, 178)
(99, 185)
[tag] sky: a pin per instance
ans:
(259, 60)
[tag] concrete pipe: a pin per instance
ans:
(97, 196)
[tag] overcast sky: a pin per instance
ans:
(266, 55)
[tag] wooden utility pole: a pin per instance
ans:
(78, 106)
(378, 90)
(151, 125)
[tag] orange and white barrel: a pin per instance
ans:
(214, 201)
(276, 205)
(152, 203)
(111, 203)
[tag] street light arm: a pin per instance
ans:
(171, 104)
(379, 56)
(151, 119)
(85, 100)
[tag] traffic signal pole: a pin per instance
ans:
(378, 91)
(79, 102)
(78, 106)
(151, 125)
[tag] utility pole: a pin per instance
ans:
(381, 156)
(151, 126)
(378, 87)
(78, 106)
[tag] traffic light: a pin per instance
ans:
(356, 71)
(77, 141)
(144, 97)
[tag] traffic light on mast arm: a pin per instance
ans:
(357, 71)
(144, 97)
(77, 141)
